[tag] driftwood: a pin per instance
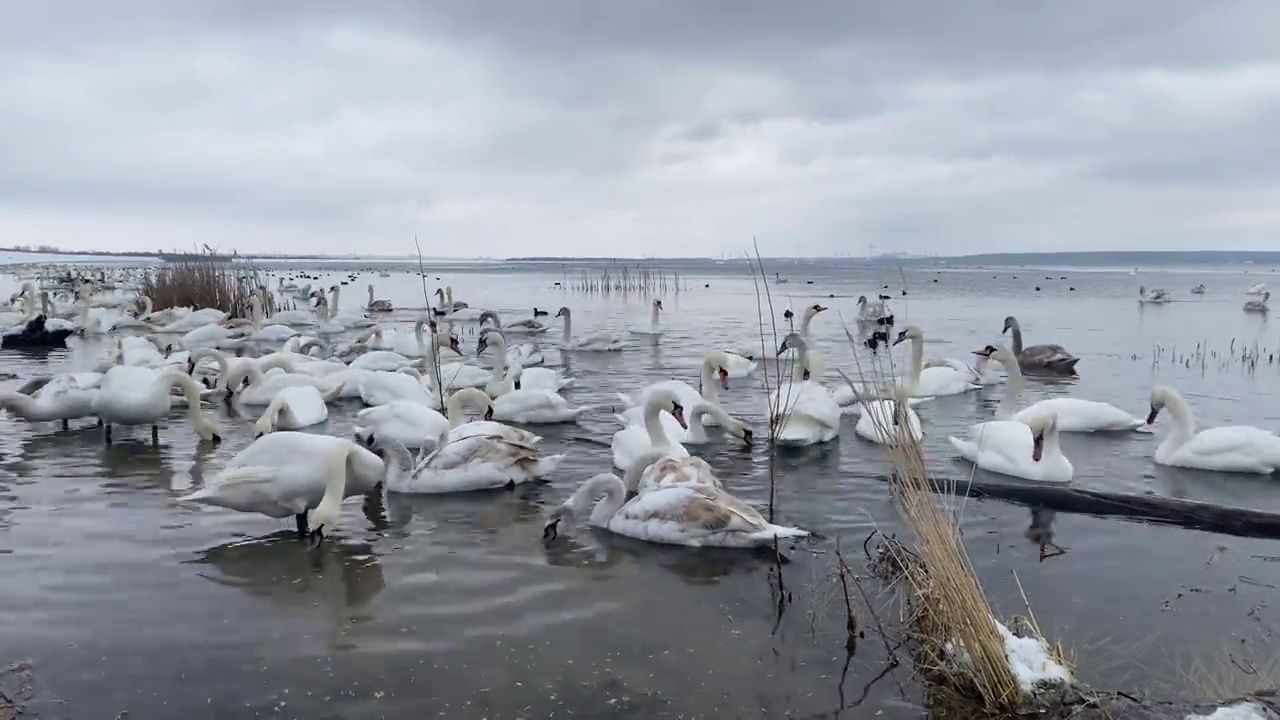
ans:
(1241, 522)
(1126, 707)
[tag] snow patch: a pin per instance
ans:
(1239, 711)
(1033, 664)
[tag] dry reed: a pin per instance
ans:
(201, 283)
(620, 278)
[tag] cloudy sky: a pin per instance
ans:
(646, 128)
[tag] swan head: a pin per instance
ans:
(1160, 396)
(1040, 424)
(814, 309)
(741, 430)
(999, 353)
(489, 315)
(669, 401)
(862, 300)
(910, 333)
(562, 312)
(657, 304)
(717, 359)
(454, 345)
(1010, 323)
(788, 315)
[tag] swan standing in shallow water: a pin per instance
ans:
(655, 328)
(1236, 448)
(634, 441)
(802, 410)
(594, 342)
(140, 396)
(1074, 414)
(1022, 449)
(64, 397)
(289, 473)
(933, 381)
(690, 514)
(1039, 358)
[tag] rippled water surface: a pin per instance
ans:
(453, 606)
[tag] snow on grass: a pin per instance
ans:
(1239, 711)
(1031, 661)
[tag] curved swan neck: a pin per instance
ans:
(652, 423)
(1008, 406)
(224, 368)
(710, 377)
(1184, 421)
(611, 493)
(335, 486)
(455, 406)
(336, 299)
(801, 364)
(1050, 446)
(917, 360)
(191, 392)
(19, 404)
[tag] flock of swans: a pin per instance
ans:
(417, 387)
(1258, 296)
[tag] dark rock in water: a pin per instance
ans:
(17, 688)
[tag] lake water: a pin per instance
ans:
(454, 607)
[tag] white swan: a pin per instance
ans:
(884, 421)
(288, 473)
(532, 406)
(983, 372)
(1154, 295)
(1258, 289)
(655, 326)
(379, 387)
(816, 363)
(293, 408)
(470, 463)
(336, 316)
(64, 397)
(533, 378)
(802, 411)
(264, 387)
(696, 432)
(267, 333)
(713, 376)
(689, 514)
(633, 441)
(528, 326)
(413, 346)
(934, 381)
(595, 342)
(209, 335)
(415, 426)
(1258, 306)
(1074, 414)
(871, 311)
(1236, 448)
(1027, 450)
(140, 396)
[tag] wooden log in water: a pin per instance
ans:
(1192, 514)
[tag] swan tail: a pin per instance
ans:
(567, 383)
(544, 466)
(967, 449)
(212, 494)
(627, 400)
(778, 532)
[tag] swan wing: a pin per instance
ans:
(1240, 440)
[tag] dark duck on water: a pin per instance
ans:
(34, 335)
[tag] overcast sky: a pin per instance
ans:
(650, 127)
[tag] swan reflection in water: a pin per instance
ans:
(594, 548)
(342, 578)
(1040, 533)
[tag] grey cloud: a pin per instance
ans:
(655, 128)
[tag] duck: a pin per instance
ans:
(803, 411)
(1026, 449)
(933, 381)
(130, 395)
(688, 514)
(293, 408)
(1074, 414)
(1233, 449)
(595, 342)
(292, 473)
(1051, 359)
(633, 441)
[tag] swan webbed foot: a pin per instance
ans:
(551, 530)
(155, 434)
(106, 432)
(65, 425)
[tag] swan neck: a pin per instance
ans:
(568, 325)
(653, 424)
(709, 379)
(1051, 447)
(1017, 339)
(1008, 406)
(1183, 419)
(917, 360)
(653, 316)
(801, 364)
(804, 322)
(453, 410)
(190, 391)
(335, 485)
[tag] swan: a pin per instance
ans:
(1198, 290)
(288, 473)
(377, 305)
(802, 411)
(713, 376)
(385, 360)
(293, 408)
(1258, 289)
(268, 333)
(871, 311)
(64, 397)
(447, 303)
(655, 328)
(982, 372)
(327, 325)
(214, 336)
(816, 363)
(125, 321)
(1027, 449)
(660, 469)
(884, 420)
(689, 514)
(264, 387)
(469, 463)
(528, 326)
(1258, 306)
(1154, 295)
(1235, 448)
(379, 387)
(597, 342)
(140, 396)
(533, 378)
(1039, 358)
(633, 441)
(414, 425)
(934, 381)
(696, 432)
(335, 316)
(191, 320)
(532, 406)
(1073, 414)
(413, 346)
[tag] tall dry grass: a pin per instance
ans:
(201, 283)
(957, 647)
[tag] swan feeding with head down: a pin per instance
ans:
(1235, 448)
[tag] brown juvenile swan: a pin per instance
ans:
(1040, 358)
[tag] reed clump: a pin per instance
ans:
(958, 648)
(201, 283)
(620, 278)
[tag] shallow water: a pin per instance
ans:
(454, 607)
